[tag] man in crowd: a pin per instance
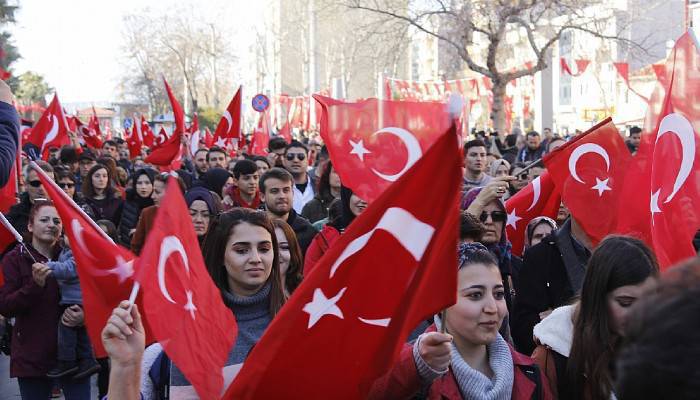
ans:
(475, 164)
(533, 149)
(19, 213)
(86, 160)
(246, 193)
(633, 139)
(216, 157)
(276, 148)
(277, 194)
(552, 273)
(109, 147)
(200, 162)
(296, 161)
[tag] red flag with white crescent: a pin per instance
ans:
(229, 126)
(104, 268)
(662, 193)
(50, 130)
(373, 142)
(539, 198)
(346, 323)
(589, 171)
(182, 304)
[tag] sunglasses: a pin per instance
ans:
(300, 156)
(66, 185)
(496, 216)
(35, 184)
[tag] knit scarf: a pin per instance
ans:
(473, 384)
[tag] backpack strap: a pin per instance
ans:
(160, 376)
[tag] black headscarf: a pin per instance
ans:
(215, 179)
(346, 216)
(132, 194)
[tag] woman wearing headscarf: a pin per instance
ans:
(537, 229)
(202, 208)
(138, 197)
(216, 180)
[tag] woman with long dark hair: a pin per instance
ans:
(138, 197)
(327, 191)
(291, 259)
(578, 343)
(100, 194)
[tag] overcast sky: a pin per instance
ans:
(76, 44)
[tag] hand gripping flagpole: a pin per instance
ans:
(16, 234)
(35, 167)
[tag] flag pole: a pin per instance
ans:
(16, 234)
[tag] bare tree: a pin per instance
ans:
(477, 30)
(190, 52)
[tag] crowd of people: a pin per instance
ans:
(567, 321)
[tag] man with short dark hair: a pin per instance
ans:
(19, 213)
(475, 165)
(245, 193)
(216, 157)
(633, 139)
(533, 149)
(276, 148)
(277, 194)
(109, 147)
(296, 161)
(200, 162)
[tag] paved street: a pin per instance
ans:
(8, 387)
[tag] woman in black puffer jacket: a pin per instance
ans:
(138, 197)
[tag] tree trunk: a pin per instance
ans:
(498, 111)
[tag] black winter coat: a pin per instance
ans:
(317, 209)
(130, 216)
(19, 214)
(302, 228)
(543, 283)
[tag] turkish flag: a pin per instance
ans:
(168, 153)
(261, 136)
(230, 124)
(147, 133)
(539, 198)
(182, 304)
(394, 266)
(133, 141)
(91, 133)
(662, 196)
(373, 142)
(105, 269)
(208, 137)
(178, 114)
(50, 130)
(589, 171)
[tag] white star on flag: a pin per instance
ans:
(221, 142)
(601, 186)
(321, 305)
(122, 269)
(190, 304)
(513, 219)
(359, 149)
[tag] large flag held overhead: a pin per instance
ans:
(662, 196)
(394, 266)
(589, 172)
(373, 142)
(51, 130)
(183, 306)
(539, 198)
(105, 269)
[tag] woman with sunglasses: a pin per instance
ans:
(31, 295)
(486, 203)
(464, 356)
(138, 197)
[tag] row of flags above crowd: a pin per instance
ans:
(387, 152)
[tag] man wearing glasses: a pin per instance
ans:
(296, 161)
(19, 213)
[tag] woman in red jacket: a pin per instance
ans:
(470, 360)
(31, 295)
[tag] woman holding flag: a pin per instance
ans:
(31, 295)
